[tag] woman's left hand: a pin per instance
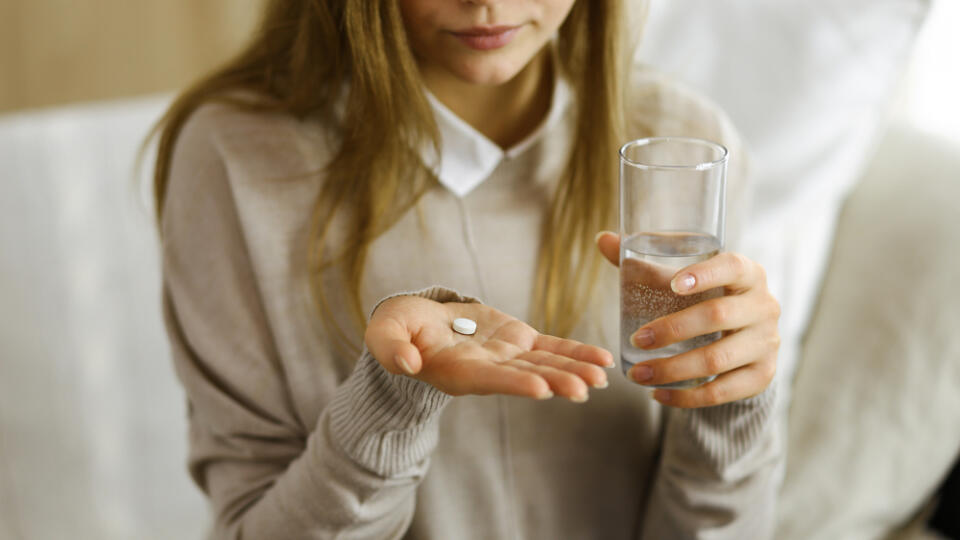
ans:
(744, 359)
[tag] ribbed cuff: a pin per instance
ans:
(388, 423)
(724, 434)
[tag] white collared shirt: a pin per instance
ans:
(467, 157)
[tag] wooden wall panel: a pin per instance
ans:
(62, 51)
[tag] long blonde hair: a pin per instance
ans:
(307, 51)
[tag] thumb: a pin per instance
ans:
(609, 245)
(388, 340)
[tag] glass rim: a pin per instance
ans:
(702, 166)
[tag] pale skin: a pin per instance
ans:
(744, 359)
(504, 93)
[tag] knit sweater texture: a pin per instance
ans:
(292, 438)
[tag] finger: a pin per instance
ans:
(388, 340)
(574, 349)
(730, 270)
(714, 315)
(482, 377)
(741, 383)
(561, 383)
(727, 354)
(590, 374)
(609, 245)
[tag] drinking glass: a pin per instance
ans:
(671, 216)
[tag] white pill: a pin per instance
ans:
(466, 327)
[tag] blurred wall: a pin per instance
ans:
(62, 51)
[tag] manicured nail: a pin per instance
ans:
(641, 373)
(582, 398)
(599, 234)
(546, 395)
(605, 383)
(683, 283)
(663, 396)
(403, 364)
(643, 338)
(613, 363)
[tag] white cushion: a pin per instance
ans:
(92, 420)
(874, 422)
(807, 82)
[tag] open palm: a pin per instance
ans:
(414, 336)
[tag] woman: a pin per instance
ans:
(405, 159)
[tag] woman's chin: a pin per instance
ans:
(488, 73)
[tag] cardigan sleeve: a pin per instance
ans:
(355, 472)
(719, 471)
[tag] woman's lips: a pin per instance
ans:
(486, 38)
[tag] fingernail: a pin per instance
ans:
(663, 396)
(683, 283)
(641, 373)
(603, 384)
(613, 363)
(403, 364)
(643, 338)
(546, 395)
(582, 398)
(599, 234)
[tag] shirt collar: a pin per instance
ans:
(467, 157)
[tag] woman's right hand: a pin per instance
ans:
(414, 336)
